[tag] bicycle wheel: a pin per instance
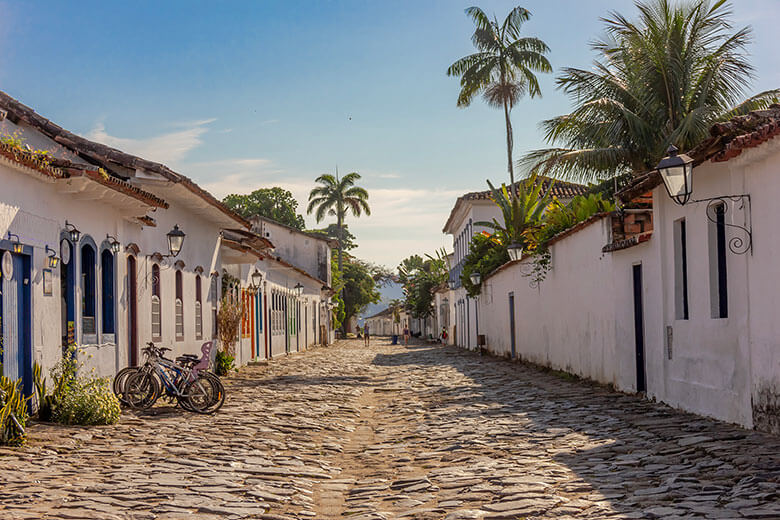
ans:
(204, 394)
(142, 390)
(120, 380)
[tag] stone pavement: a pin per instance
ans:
(421, 432)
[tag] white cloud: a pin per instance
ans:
(169, 148)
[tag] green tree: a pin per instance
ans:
(335, 197)
(332, 231)
(420, 278)
(503, 68)
(275, 203)
(359, 288)
(661, 79)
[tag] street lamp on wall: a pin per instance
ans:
(676, 171)
(51, 258)
(257, 279)
(298, 289)
(114, 243)
(18, 247)
(475, 278)
(515, 251)
(175, 240)
(73, 233)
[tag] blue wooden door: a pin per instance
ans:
(16, 319)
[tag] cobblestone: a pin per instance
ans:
(418, 432)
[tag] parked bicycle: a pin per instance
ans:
(186, 380)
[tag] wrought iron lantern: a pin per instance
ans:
(52, 260)
(114, 243)
(475, 278)
(677, 173)
(515, 251)
(257, 279)
(73, 233)
(18, 247)
(298, 289)
(175, 240)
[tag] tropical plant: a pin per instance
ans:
(560, 217)
(522, 214)
(661, 79)
(335, 197)
(13, 412)
(359, 288)
(503, 68)
(275, 203)
(420, 279)
(332, 231)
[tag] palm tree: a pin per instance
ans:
(662, 79)
(336, 197)
(503, 68)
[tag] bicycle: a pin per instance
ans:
(187, 381)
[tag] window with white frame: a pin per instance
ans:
(156, 304)
(198, 309)
(179, 307)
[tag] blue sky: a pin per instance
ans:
(241, 95)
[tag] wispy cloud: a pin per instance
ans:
(269, 122)
(169, 148)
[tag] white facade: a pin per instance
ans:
(618, 317)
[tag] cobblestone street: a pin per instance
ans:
(393, 432)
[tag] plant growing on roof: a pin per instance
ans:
(663, 78)
(336, 197)
(503, 68)
(522, 213)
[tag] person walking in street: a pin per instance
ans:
(366, 334)
(406, 335)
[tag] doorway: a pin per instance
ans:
(512, 321)
(16, 320)
(639, 330)
(132, 311)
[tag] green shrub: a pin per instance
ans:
(87, 401)
(223, 363)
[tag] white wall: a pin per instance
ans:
(300, 249)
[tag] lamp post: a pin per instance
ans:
(298, 289)
(175, 241)
(476, 279)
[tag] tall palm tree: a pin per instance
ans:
(503, 68)
(336, 196)
(662, 79)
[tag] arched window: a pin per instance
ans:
(198, 309)
(179, 308)
(88, 289)
(156, 314)
(214, 282)
(108, 304)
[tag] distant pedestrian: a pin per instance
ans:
(406, 335)
(366, 334)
